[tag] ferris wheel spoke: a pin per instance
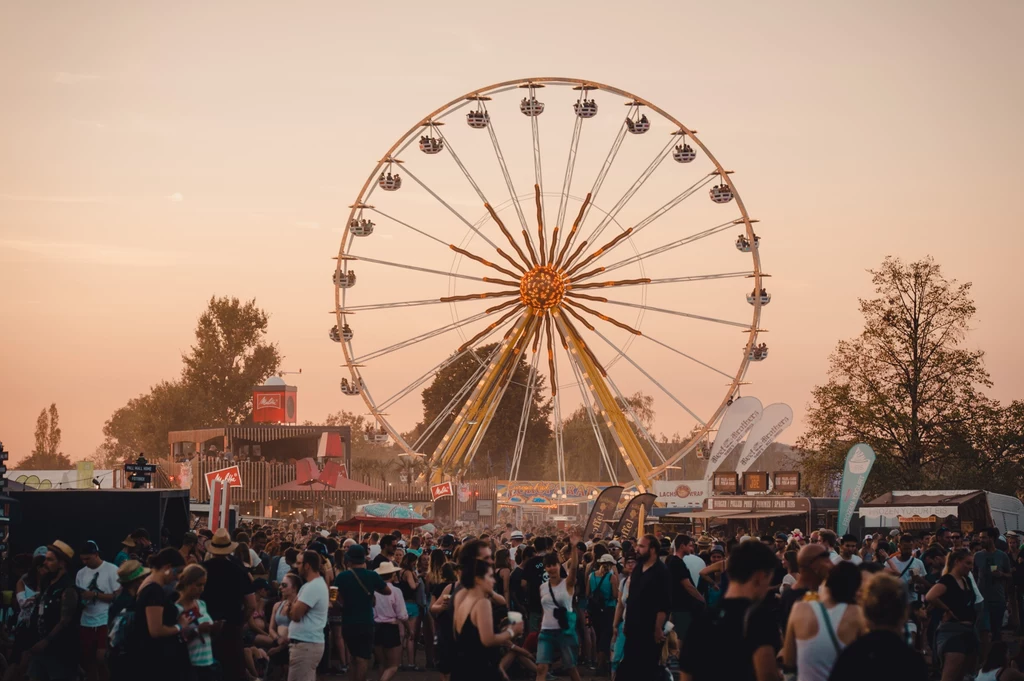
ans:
(508, 235)
(420, 338)
(666, 280)
(739, 325)
(540, 221)
(590, 408)
(563, 198)
(351, 309)
(689, 357)
(631, 192)
(407, 225)
(524, 417)
(430, 373)
(464, 252)
(652, 379)
(572, 232)
(559, 425)
(479, 296)
(449, 207)
(458, 162)
(675, 201)
(363, 258)
(512, 195)
(491, 327)
(601, 175)
(602, 317)
(597, 254)
(689, 239)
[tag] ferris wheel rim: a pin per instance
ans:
(436, 117)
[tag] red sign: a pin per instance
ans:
(229, 475)
(442, 490)
(269, 401)
(274, 404)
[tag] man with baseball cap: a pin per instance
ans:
(55, 655)
(97, 584)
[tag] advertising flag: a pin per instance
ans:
(604, 509)
(629, 523)
(774, 419)
(856, 469)
(739, 418)
(439, 490)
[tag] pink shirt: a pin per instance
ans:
(391, 608)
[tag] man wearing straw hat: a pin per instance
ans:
(229, 597)
(55, 656)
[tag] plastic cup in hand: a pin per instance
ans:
(515, 618)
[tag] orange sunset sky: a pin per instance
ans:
(155, 154)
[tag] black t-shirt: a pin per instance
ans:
(720, 643)
(960, 601)
(535, 575)
(878, 650)
(518, 601)
(377, 561)
(682, 601)
(164, 657)
(647, 591)
(227, 585)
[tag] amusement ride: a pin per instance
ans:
(565, 280)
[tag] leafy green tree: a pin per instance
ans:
(583, 460)
(230, 356)
(910, 387)
(46, 454)
(494, 456)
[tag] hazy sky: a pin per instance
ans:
(155, 154)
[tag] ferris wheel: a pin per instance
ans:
(636, 271)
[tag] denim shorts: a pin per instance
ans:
(554, 645)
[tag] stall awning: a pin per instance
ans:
(703, 515)
(253, 433)
(757, 515)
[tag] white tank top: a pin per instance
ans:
(991, 675)
(564, 601)
(816, 656)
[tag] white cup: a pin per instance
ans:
(515, 617)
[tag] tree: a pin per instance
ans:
(908, 387)
(583, 460)
(494, 456)
(230, 356)
(47, 455)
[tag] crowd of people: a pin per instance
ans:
(297, 602)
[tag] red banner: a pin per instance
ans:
(443, 489)
(229, 475)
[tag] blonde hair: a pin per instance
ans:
(191, 575)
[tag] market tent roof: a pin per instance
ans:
(757, 515)
(253, 433)
(925, 498)
(709, 514)
(342, 485)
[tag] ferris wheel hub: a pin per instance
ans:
(542, 288)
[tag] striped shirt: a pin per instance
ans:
(200, 649)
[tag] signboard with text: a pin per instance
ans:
(230, 475)
(681, 493)
(784, 504)
(787, 481)
(439, 490)
(755, 482)
(726, 482)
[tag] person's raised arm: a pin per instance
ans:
(574, 558)
(706, 573)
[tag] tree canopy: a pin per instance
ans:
(46, 454)
(910, 387)
(230, 356)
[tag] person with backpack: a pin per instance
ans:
(121, 620)
(736, 639)
(356, 588)
(602, 597)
